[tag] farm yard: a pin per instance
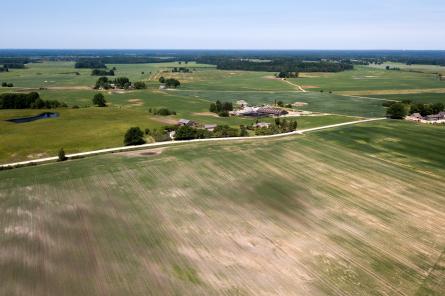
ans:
(355, 210)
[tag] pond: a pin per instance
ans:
(33, 118)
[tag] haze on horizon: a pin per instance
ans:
(229, 24)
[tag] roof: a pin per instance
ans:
(210, 126)
(184, 121)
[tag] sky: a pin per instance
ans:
(223, 24)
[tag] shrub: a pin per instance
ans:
(139, 85)
(61, 155)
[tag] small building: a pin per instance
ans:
(163, 86)
(415, 117)
(184, 122)
(262, 125)
(210, 127)
(274, 111)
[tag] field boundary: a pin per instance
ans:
(160, 144)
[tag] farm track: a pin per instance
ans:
(152, 145)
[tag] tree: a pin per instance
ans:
(161, 79)
(134, 136)
(218, 106)
(280, 103)
(62, 156)
(139, 85)
(185, 133)
(243, 131)
(437, 107)
(122, 82)
(213, 108)
(397, 111)
(99, 100)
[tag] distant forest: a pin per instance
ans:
(276, 64)
(271, 60)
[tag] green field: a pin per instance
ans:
(425, 98)
(86, 128)
(365, 78)
(357, 210)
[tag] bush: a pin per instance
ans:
(99, 100)
(172, 83)
(164, 112)
(62, 156)
(139, 85)
(134, 136)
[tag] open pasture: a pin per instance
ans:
(351, 211)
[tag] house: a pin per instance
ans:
(184, 122)
(415, 117)
(261, 125)
(210, 127)
(274, 111)
(163, 86)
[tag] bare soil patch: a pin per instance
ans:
(136, 102)
(206, 114)
(165, 120)
(392, 91)
(138, 153)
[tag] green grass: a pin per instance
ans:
(426, 98)
(369, 78)
(316, 101)
(355, 209)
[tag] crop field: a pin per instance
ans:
(356, 210)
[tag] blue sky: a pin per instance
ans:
(227, 24)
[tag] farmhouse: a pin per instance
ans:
(434, 118)
(210, 127)
(184, 122)
(262, 124)
(274, 111)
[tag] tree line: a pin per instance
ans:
(221, 108)
(399, 110)
(275, 64)
(25, 101)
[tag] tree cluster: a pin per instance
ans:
(172, 83)
(181, 70)
(399, 110)
(24, 101)
(90, 64)
(5, 84)
(140, 85)
(287, 75)
(279, 126)
(222, 109)
(281, 64)
(162, 112)
(100, 72)
(120, 82)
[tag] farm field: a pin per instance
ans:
(352, 211)
(370, 79)
(428, 98)
(85, 129)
